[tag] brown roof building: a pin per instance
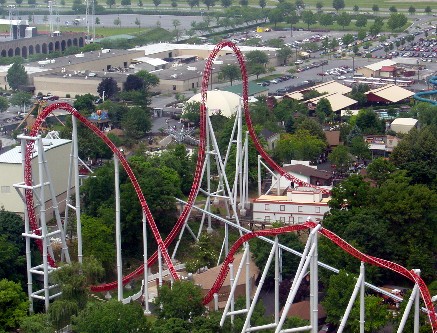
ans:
(302, 310)
(316, 177)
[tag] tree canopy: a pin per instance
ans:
(16, 75)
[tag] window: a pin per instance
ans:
(282, 219)
(291, 219)
(174, 87)
(300, 209)
(6, 189)
(317, 209)
(282, 208)
(300, 220)
(267, 219)
(267, 207)
(192, 84)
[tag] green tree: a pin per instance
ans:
(379, 170)
(230, 72)
(428, 10)
(4, 104)
(16, 75)
(292, 19)
(20, 99)
(326, 19)
(112, 316)
(347, 39)
(13, 305)
(360, 148)
(393, 9)
(85, 104)
(209, 3)
(375, 8)
(156, 3)
(257, 57)
(337, 296)
(376, 314)
(226, 3)
(110, 3)
(319, 6)
(283, 54)
(262, 3)
(275, 16)
(191, 112)
(341, 157)
(136, 123)
(361, 34)
(183, 301)
(125, 2)
(396, 21)
(344, 19)
(299, 146)
(257, 69)
(38, 323)
(361, 21)
(356, 8)
(338, 4)
(308, 17)
(203, 253)
(324, 109)
(369, 123)
(411, 10)
(108, 86)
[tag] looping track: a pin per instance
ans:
(163, 244)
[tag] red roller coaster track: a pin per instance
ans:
(163, 245)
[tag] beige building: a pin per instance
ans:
(374, 70)
(293, 208)
(403, 125)
(57, 152)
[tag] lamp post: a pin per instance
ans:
(353, 66)
(103, 96)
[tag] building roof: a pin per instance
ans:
(333, 137)
(13, 156)
(378, 65)
(219, 101)
(307, 171)
(207, 279)
(404, 121)
(338, 101)
(332, 87)
(391, 93)
(150, 61)
(388, 68)
(165, 47)
(267, 134)
(302, 310)
(253, 89)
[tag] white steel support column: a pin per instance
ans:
(408, 308)
(247, 276)
(362, 299)
(67, 199)
(159, 267)
(259, 175)
(231, 297)
(146, 268)
(42, 219)
(76, 189)
(276, 282)
(234, 283)
(358, 286)
(417, 308)
(64, 252)
(314, 286)
(118, 229)
(237, 184)
(258, 289)
(208, 173)
(27, 231)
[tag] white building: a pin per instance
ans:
(57, 153)
(293, 208)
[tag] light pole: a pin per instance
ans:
(103, 96)
(353, 66)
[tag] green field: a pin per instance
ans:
(311, 4)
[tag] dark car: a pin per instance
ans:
(53, 98)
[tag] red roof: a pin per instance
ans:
(388, 68)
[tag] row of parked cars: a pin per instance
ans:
(314, 64)
(276, 80)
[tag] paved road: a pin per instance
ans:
(127, 20)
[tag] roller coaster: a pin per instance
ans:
(35, 224)
(418, 96)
